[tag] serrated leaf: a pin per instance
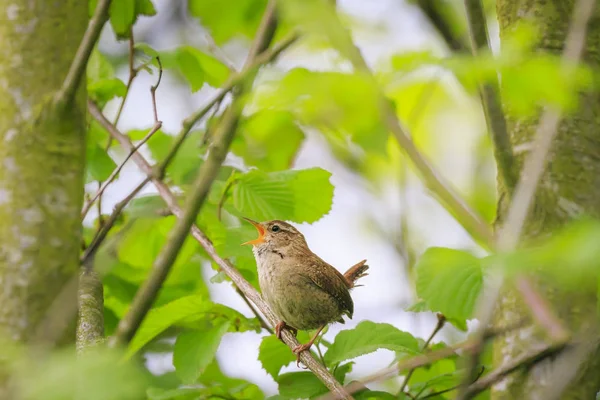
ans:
(122, 16)
(263, 197)
(274, 355)
(195, 350)
(449, 281)
(268, 140)
(294, 195)
(300, 385)
(368, 337)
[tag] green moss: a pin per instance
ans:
(569, 187)
(41, 159)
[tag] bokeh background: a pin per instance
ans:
(387, 217)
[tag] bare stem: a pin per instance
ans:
(77, 69)
(490, 96)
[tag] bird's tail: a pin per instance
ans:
(356, 272)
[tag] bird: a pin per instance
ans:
(304, 292)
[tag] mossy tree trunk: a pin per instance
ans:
(569, 188)
(42, 160)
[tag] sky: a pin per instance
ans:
(341, 237)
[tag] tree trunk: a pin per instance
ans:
(569, 188)
(42, 161)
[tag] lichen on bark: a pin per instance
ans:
(569, 188)
(42, 159)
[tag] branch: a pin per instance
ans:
(524, 361)
(466, 216)
(490, 96)
(423, 360)
(90, 323)
(431, 8)
(237, 279)
(531, 174)
(217, 152)
(107, 226)
(117, 170)
(77, 69)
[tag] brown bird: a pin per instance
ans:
(303, 290)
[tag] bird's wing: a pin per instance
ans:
(331, 281)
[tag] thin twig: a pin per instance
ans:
(117, 170)
(106, 227)
(430, 395)
(422, 360)
(441, 321)
(523, 361)
(77, 69)
(132, 75)
(153, 130)
(431, 8)
(260, 318)
(219, 148)
(490, 97)
(532, 171)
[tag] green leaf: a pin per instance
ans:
(98, 67)
(449, 281)
(99, 164)
(63, 375)
(368, 337)
(294, 195)
(196, 66)
(161, 318)
(376, 395)
(144, 7)
(570, 255)
(194, 350)
(337, 103)
(242, 17)
(175, 394)
(101, 91)
(185, 164)
(145, 239)
(300, 385)
(274, 355)
(122, 16)
(268, 140)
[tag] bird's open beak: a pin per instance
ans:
(261, 233)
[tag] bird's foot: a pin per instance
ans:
(282, 325)
(299, 349)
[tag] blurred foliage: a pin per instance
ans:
(343, 108)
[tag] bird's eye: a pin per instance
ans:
(275, 228)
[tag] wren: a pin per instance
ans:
(304, 291)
